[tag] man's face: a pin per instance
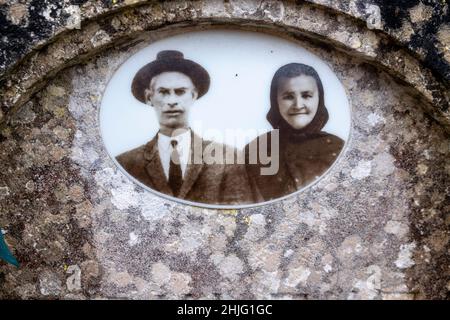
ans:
(171, 94)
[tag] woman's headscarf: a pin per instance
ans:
(274, 116)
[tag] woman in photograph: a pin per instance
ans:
(305, 151)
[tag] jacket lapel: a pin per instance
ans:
(154, 167)
(194, 166)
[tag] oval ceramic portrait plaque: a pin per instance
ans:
(224, 119)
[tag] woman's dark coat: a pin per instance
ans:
(301, 161)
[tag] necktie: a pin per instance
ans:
(175, 174)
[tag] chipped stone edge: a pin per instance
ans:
(32, 73)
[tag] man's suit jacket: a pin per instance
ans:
(202, 182)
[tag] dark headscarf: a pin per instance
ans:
(274, 116)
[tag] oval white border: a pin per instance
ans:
(130, 66)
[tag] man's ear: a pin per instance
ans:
(195, 94)
(148, 96)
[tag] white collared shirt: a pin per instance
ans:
(165, 150)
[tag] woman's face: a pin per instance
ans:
(298, 100)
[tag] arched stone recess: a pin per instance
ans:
(316, 23)
(375, 227)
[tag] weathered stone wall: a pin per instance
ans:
(420, 25)
(375, 227)
(320, 24)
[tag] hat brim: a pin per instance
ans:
(141, 81)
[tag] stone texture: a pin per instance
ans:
(376, 227)
(35, 22)
(413, 23)
(319, 21)
(380, 233)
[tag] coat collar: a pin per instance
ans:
(156, 173)
(154, 167)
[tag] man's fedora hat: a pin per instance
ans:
(167, 61)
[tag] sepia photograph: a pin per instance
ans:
(224, 118)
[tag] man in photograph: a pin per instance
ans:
(173, 161)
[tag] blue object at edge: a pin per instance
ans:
(5, 254)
